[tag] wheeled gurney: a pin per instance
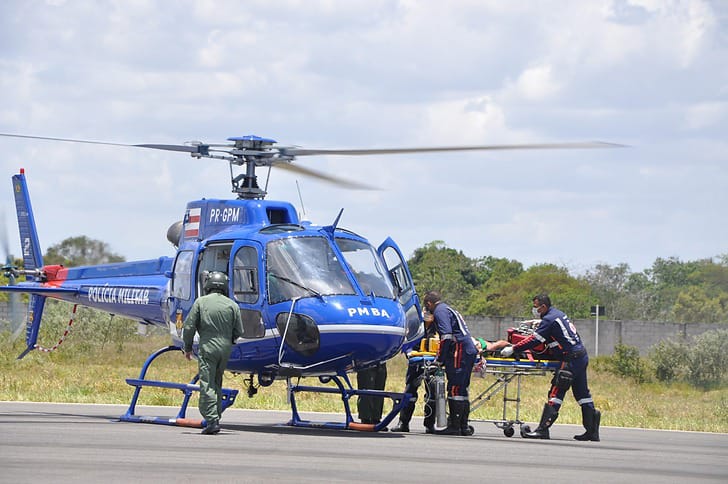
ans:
(505, 371)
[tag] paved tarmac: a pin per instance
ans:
(87, 443)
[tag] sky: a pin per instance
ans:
(649, 74)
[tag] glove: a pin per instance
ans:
(507, 351)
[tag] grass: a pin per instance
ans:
(84, 373)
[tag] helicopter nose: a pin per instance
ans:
(375, 332)
(344, 329)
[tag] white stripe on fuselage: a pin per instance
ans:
(336, 329)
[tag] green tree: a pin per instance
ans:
(714, 276)
(513, 297)
(670, 290)
(640, 298)
(694, 304)
(690, 291)
(79, 251)
(669, 276)
(494, 270)
(608, 285)
(438, 267)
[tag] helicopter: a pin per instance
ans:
(316, 300)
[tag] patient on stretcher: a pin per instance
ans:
(484, 347)
(487, 349)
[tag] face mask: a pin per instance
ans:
(535, 313)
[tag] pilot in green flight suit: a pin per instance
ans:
(216, 318)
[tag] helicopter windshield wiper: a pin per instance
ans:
(299, 285)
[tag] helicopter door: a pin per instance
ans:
(246, 289)
(404, 286)
(180, 296)
(212, 258)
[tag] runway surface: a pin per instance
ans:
(87, 443)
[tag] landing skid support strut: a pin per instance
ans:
(347, 391)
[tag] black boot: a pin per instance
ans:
(400, 427)
(212, 428)
(591, 418)
(405, 415)
(453, 421)
(548, 417)
(466, 429)
(597, 421)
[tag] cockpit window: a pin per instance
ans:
(245, 275)
(181, 288)
(304, 267)
(366, 267)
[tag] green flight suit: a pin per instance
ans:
(216, 318)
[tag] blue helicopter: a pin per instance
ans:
(316, 301)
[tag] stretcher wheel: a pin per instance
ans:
(525, 429)
(509, 431)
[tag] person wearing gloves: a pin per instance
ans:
(457, 354)
(413, 379)
(558, 333)
(216, 318)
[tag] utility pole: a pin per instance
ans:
(597, 311)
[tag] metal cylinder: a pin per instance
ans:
(440, 399)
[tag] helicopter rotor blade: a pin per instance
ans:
(47, 138)
(433, 149)
(253, 151)
(196, 148)
(322, 176)
(182, 148)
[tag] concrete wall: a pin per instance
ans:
(640, 334)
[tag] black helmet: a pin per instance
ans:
(216, 282)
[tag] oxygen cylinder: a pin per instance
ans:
(440, 398)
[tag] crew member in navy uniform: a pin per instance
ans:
(457, 353)
(560, 336)
(414, 378)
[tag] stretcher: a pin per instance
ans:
(508, 371)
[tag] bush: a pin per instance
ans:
(670, 360)
(708, 363)
(626, 362)
(90, 332)
(701, 362)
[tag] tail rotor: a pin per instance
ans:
(15, 308)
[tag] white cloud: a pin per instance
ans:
(374, 74)
(536, 83)
(704, 115)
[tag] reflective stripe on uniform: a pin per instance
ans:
(565, 332)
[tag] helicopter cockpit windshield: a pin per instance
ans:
(304, 267)
(364, 264)
(308, 266)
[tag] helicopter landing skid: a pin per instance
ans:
(345, 389)
(228, 396)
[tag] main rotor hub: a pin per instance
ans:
(250, 151)
(252, 142)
